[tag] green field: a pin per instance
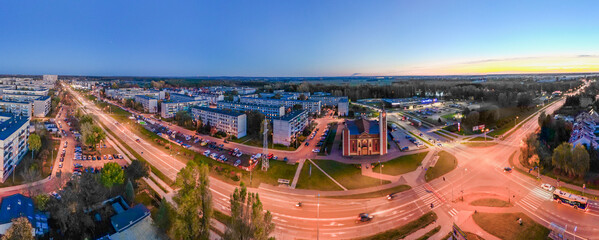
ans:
(405, 230)
(402, 164)
(349, 176)
(316, 180)
(381, 193)
(505, 226)
(445, 164)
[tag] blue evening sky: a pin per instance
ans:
(284, 38)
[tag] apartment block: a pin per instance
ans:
(288, 127)
(14, 133)
(150, 103)
(169, 108)
(229, 121)
(342, 103)
(270, 111)
(310, 105)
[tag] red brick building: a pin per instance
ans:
(365, 137)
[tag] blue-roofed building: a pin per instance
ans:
(14, 133)
(365, 137)
(16, 206)
(134, 223)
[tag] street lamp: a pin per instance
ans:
(380, 172)
(251, 168)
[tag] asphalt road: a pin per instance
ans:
(480, 170)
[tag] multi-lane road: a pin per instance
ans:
(480, 170)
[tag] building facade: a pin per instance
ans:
(231, 122)
(168, 109)
(287, 128)
(342, 103)
(14, 133)
(16, 107)
(150, 104)
(309, 105)
(270, 111)
(365, 137)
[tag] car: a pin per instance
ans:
(237, 163)
(120, 156)
(60, 165)
(316, 150)
(391, 196)
(207, 152)
(238, 154)
(137, 140)
(77, 165)
(547, 187)
(109, 157)
(93, 158)
(364, 217)
(439, 144)
(275, 158)
(307, 144)
(55, 195)
(285, 159)
(62, 159)
(105, 157)
(507, 169)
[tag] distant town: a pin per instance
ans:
(124, 158)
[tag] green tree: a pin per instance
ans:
(35, 143)
(112, 174)
(194, 203)
(41, 201)
(21, 229)
(581, 161)
(129, 191)
(164, 215)
(561, 155)
(137, 169)
(248, 220)
(92, 134)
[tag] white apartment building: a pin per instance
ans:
(27, 91)
(342, 103)
(310, 105)
(39, 104)
(16, 107)
(150, 103)
(270, 111)
(129, 93)
(229, 121)
(169, 108)
(288, 127)
(52, 78)
(14, 133)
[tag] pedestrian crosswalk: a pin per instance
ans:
(535, 198)
(428, 197)
(453, 212)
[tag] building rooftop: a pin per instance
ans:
(15, 206)
(17, 102)
(249, 104)
(130, 217)
(145, 97)
(362, 125)
(220, 111)
(12, 124)
(291, 115)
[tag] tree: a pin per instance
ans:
(20, 229)
(92, 134)
(194, 203)
(561, 155)
(35, 143)
(248, 220)
(580, 161)
(298, 107)
(112, 174)
(137, 169)
(41, 201)
(163, 216)
(129, 191)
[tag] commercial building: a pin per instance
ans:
(309, 105)
(14, 133)
(231, 122)
(149, 103)
(288, 127)
(169, 108)
(365, 137)
(270, 111)
(409, 103)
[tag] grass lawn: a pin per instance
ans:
(445, 164)
(277, 170)
(448, 116)
(480, 139)
(253, 141)
(479, 144)
(401, 165)
(405, 230)
(317, 180)
(347, 175)
(430, 233)
(505, 226)
(490, 202)
(376, 194)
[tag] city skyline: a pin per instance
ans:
(269, 39)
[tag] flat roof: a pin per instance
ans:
(11, 125)
(9, 101)
(145, 97)
(129, 217)
(220, 111)
(251, 104)
(15, 206)
(291, 115)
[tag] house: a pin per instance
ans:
(17, 205)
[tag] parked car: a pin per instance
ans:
(237, 163)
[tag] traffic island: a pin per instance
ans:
(491, 202)
(507, 226)
(445, 164)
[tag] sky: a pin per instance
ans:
(297, 38)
